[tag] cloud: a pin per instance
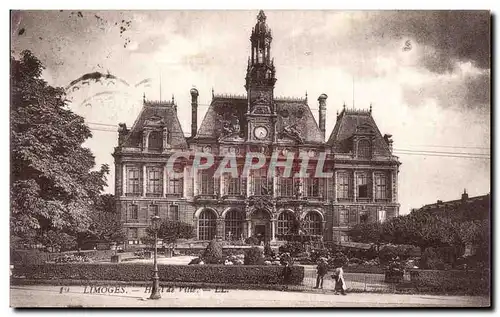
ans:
(453, 36)
(459, 90)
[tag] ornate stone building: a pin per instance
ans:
(363, 186)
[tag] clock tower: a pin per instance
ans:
(260, 80)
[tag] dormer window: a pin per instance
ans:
(155, 140)
(364, 149)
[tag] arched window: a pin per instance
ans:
(234, 224)
(285, 222)
(155, 140)
(206, 225)
(312, 223)
(364, 149)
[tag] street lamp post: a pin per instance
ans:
(155, 293)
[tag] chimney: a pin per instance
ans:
(322, 113)
(465, 196)
(194, 111)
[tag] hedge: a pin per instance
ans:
(470, 282)
(227, 274)
(35, 257)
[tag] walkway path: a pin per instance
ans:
(57, 296)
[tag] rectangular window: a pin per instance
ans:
(344, 217)
(353, 217)
(380, 186)
(311, 187)
(362, 183)
(173, 213)
(155, 181)
(176, 183)
(133, 181)
(153, 210)
(287, 187)
(261, 184)
(133, 212)
(343, 185)
(233, 185)
(206, 179)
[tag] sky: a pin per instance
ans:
(426, 75)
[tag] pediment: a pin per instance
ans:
(365, 129)
(154, 121)
(232, 137)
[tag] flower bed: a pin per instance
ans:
(228, 274)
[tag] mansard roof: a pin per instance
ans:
(351, 122)
(290, 112)
(165, 114)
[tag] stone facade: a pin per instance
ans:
(363, 186)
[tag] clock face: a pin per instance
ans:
(260, 133)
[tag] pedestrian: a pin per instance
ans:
(321, 270)
(338, 277)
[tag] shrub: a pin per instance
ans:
(268, 251)
(294, 248)
(221, 274)
(355, 261)
(252, 241)
(451, 281)
(390, 252)
(315, 254)
(213, 253)
(337, 260)
(253, 256)
(431, 259)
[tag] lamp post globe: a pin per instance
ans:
(155, 292)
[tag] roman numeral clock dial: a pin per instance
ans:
(260, 133)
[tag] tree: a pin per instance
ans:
(58, 241)
(371, 232)
(53, 184)
(106, 225)
(171, 231)
(420, 229)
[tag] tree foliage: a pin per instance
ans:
(53, 184)
(371, 232)
(171, 231)
(105, 222)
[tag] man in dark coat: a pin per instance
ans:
(321, 269)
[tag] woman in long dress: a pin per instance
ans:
(338, 277)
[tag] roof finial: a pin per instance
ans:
(344, 105)
(306, 95)
(465, 192)
(144, 97)
(370, 107)
(213, 92)
(173, 99)
(261, 17)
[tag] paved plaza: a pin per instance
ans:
(79, 296)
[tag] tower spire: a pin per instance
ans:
(261, 70)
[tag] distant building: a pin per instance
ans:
(363, 185)
(465, 208)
